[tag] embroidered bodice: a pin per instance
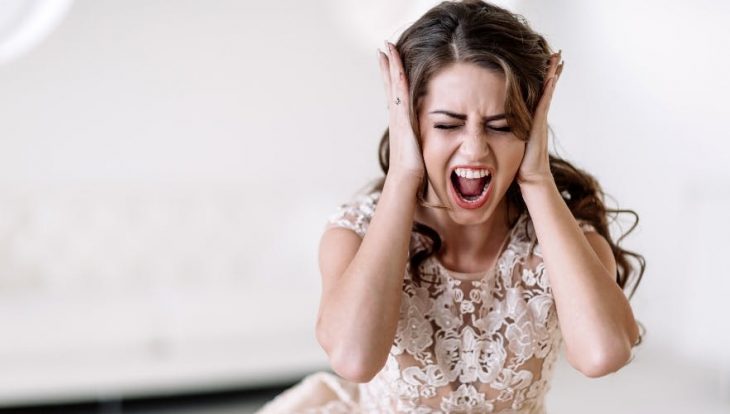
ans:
(463, 345)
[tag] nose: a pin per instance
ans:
(475, 144)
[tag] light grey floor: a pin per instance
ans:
(652, 383)
(247, 407)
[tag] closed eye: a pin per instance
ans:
(505, 128)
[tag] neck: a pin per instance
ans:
(467, 248)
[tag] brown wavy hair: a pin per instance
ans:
(473, 31)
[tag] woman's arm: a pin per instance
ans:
(362, 282)
(595, 317)
(360, 303)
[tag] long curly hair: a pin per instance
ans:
(476, 32)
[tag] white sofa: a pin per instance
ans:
(126, 291)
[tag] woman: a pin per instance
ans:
(450, 286)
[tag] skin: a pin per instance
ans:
(595, 318)
(465, 90)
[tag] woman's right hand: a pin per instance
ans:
(405, 152)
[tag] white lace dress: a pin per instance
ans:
(464, 344)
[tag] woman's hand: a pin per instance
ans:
(535, 165)
(405, 152)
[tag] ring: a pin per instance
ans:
(397, 100)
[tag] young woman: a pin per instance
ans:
(450, 286)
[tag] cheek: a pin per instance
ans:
(435, 152)
(511, 154)
(436, 155)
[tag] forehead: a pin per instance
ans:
(466, 87)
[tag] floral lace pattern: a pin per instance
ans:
(467, 346)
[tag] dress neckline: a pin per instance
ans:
(483, 274)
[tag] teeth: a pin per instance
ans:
(470, 173)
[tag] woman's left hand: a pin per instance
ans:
(535, 165)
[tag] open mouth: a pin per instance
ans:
(471, 186)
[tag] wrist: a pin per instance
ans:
(404, 184)
(404, 177)
(537, 183)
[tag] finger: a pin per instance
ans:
(547, 96)
(398, 83)
(553, 65)
(385, 73)
(555, 68)
(560, 69)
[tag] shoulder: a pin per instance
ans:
(356, 213)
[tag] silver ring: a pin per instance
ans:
(397, 100)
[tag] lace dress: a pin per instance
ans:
(464, 343)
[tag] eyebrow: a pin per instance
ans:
(463, 117)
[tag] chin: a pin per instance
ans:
(465, 214)
(479, 215)
(471, 217)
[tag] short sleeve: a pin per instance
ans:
(355, 214)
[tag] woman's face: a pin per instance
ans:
(464, 132)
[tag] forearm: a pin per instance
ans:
(361, 312)
(595, 317)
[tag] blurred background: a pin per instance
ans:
(167, 168)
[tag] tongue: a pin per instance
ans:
(471, 186)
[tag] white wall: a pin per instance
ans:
(642, 104)
(281, 103)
